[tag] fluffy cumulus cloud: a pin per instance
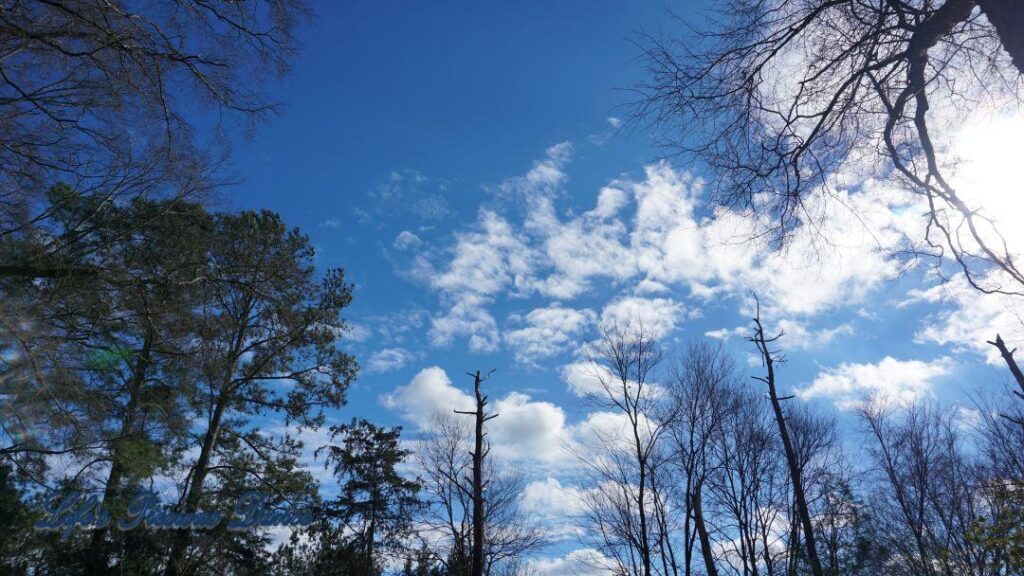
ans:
(893, 381)
(646, 237)
(585, 378)
(657, 317)
(548, 497)
(555, 507)
(605, 430)
(528, 430)
(525, 430)
(429, 392)
(545, 332)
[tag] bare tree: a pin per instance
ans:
(745, 497)
(777, 97)
(830, 485)
(623, 510)
(700, 393)
(929, 493)
(446, 465)
(769, 358)
(481, 449)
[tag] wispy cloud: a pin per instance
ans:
(389, 359)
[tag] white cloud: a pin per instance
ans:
(548, 497)
(406, 240)
(896, 381)
(985, 150)
(585, 378)
(487, 260)
(555, 507)
(609, 202)
(528, 430)
(428, 393)
(614, 122)
(543, 179)
(467, 317)
(798, 336)
(588, 561)
(725, 334)
(525, 430)
(606, 430)
(545, 332)
(649, 236)
(576, 251)
(969, 318)
(389, 359)
(657, 316)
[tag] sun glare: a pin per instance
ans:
(987, 175)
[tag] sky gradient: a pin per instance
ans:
(470, 168)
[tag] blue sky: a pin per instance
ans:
(463, 163)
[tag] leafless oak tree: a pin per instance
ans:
(929, 493)
(623, 510)
(778, 97)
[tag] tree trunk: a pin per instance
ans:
(478, 485)
(702, 533)
(479, 454)
(194, 490)
(1008, 358)
(791, 460)
(1007, 17)
(176, 561)
(645, 542)
(97, 554)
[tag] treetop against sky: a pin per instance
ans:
(504, 189)
(474, 171)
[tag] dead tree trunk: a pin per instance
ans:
(1007, 355)
(769, 358)
(1010, 362)
(479, 454)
